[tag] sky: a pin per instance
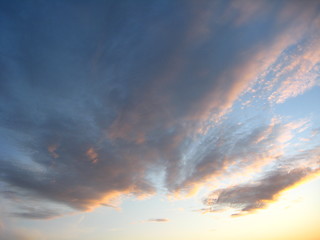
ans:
(167, 119)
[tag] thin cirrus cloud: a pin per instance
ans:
(233, 150)
(92, 104)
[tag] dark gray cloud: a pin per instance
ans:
(96, 96)
(258, 194)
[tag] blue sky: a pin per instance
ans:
(117, 115)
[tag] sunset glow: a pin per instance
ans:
(166, 119)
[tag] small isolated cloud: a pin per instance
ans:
(158, 220)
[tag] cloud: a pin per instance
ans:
(259, 192)
(294, 68)
(257, 195)
(91, 153)
(92, 107)
(232, 150)
(299, 73)
(36, 213)
(158, 220)
(109, 205)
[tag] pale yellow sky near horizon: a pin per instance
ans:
(295, 216)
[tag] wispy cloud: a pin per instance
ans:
(298, 73)
(36, 213)
(232, 150)
(158, 220)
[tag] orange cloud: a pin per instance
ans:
(93, 156)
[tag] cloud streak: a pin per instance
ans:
(159, 220)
